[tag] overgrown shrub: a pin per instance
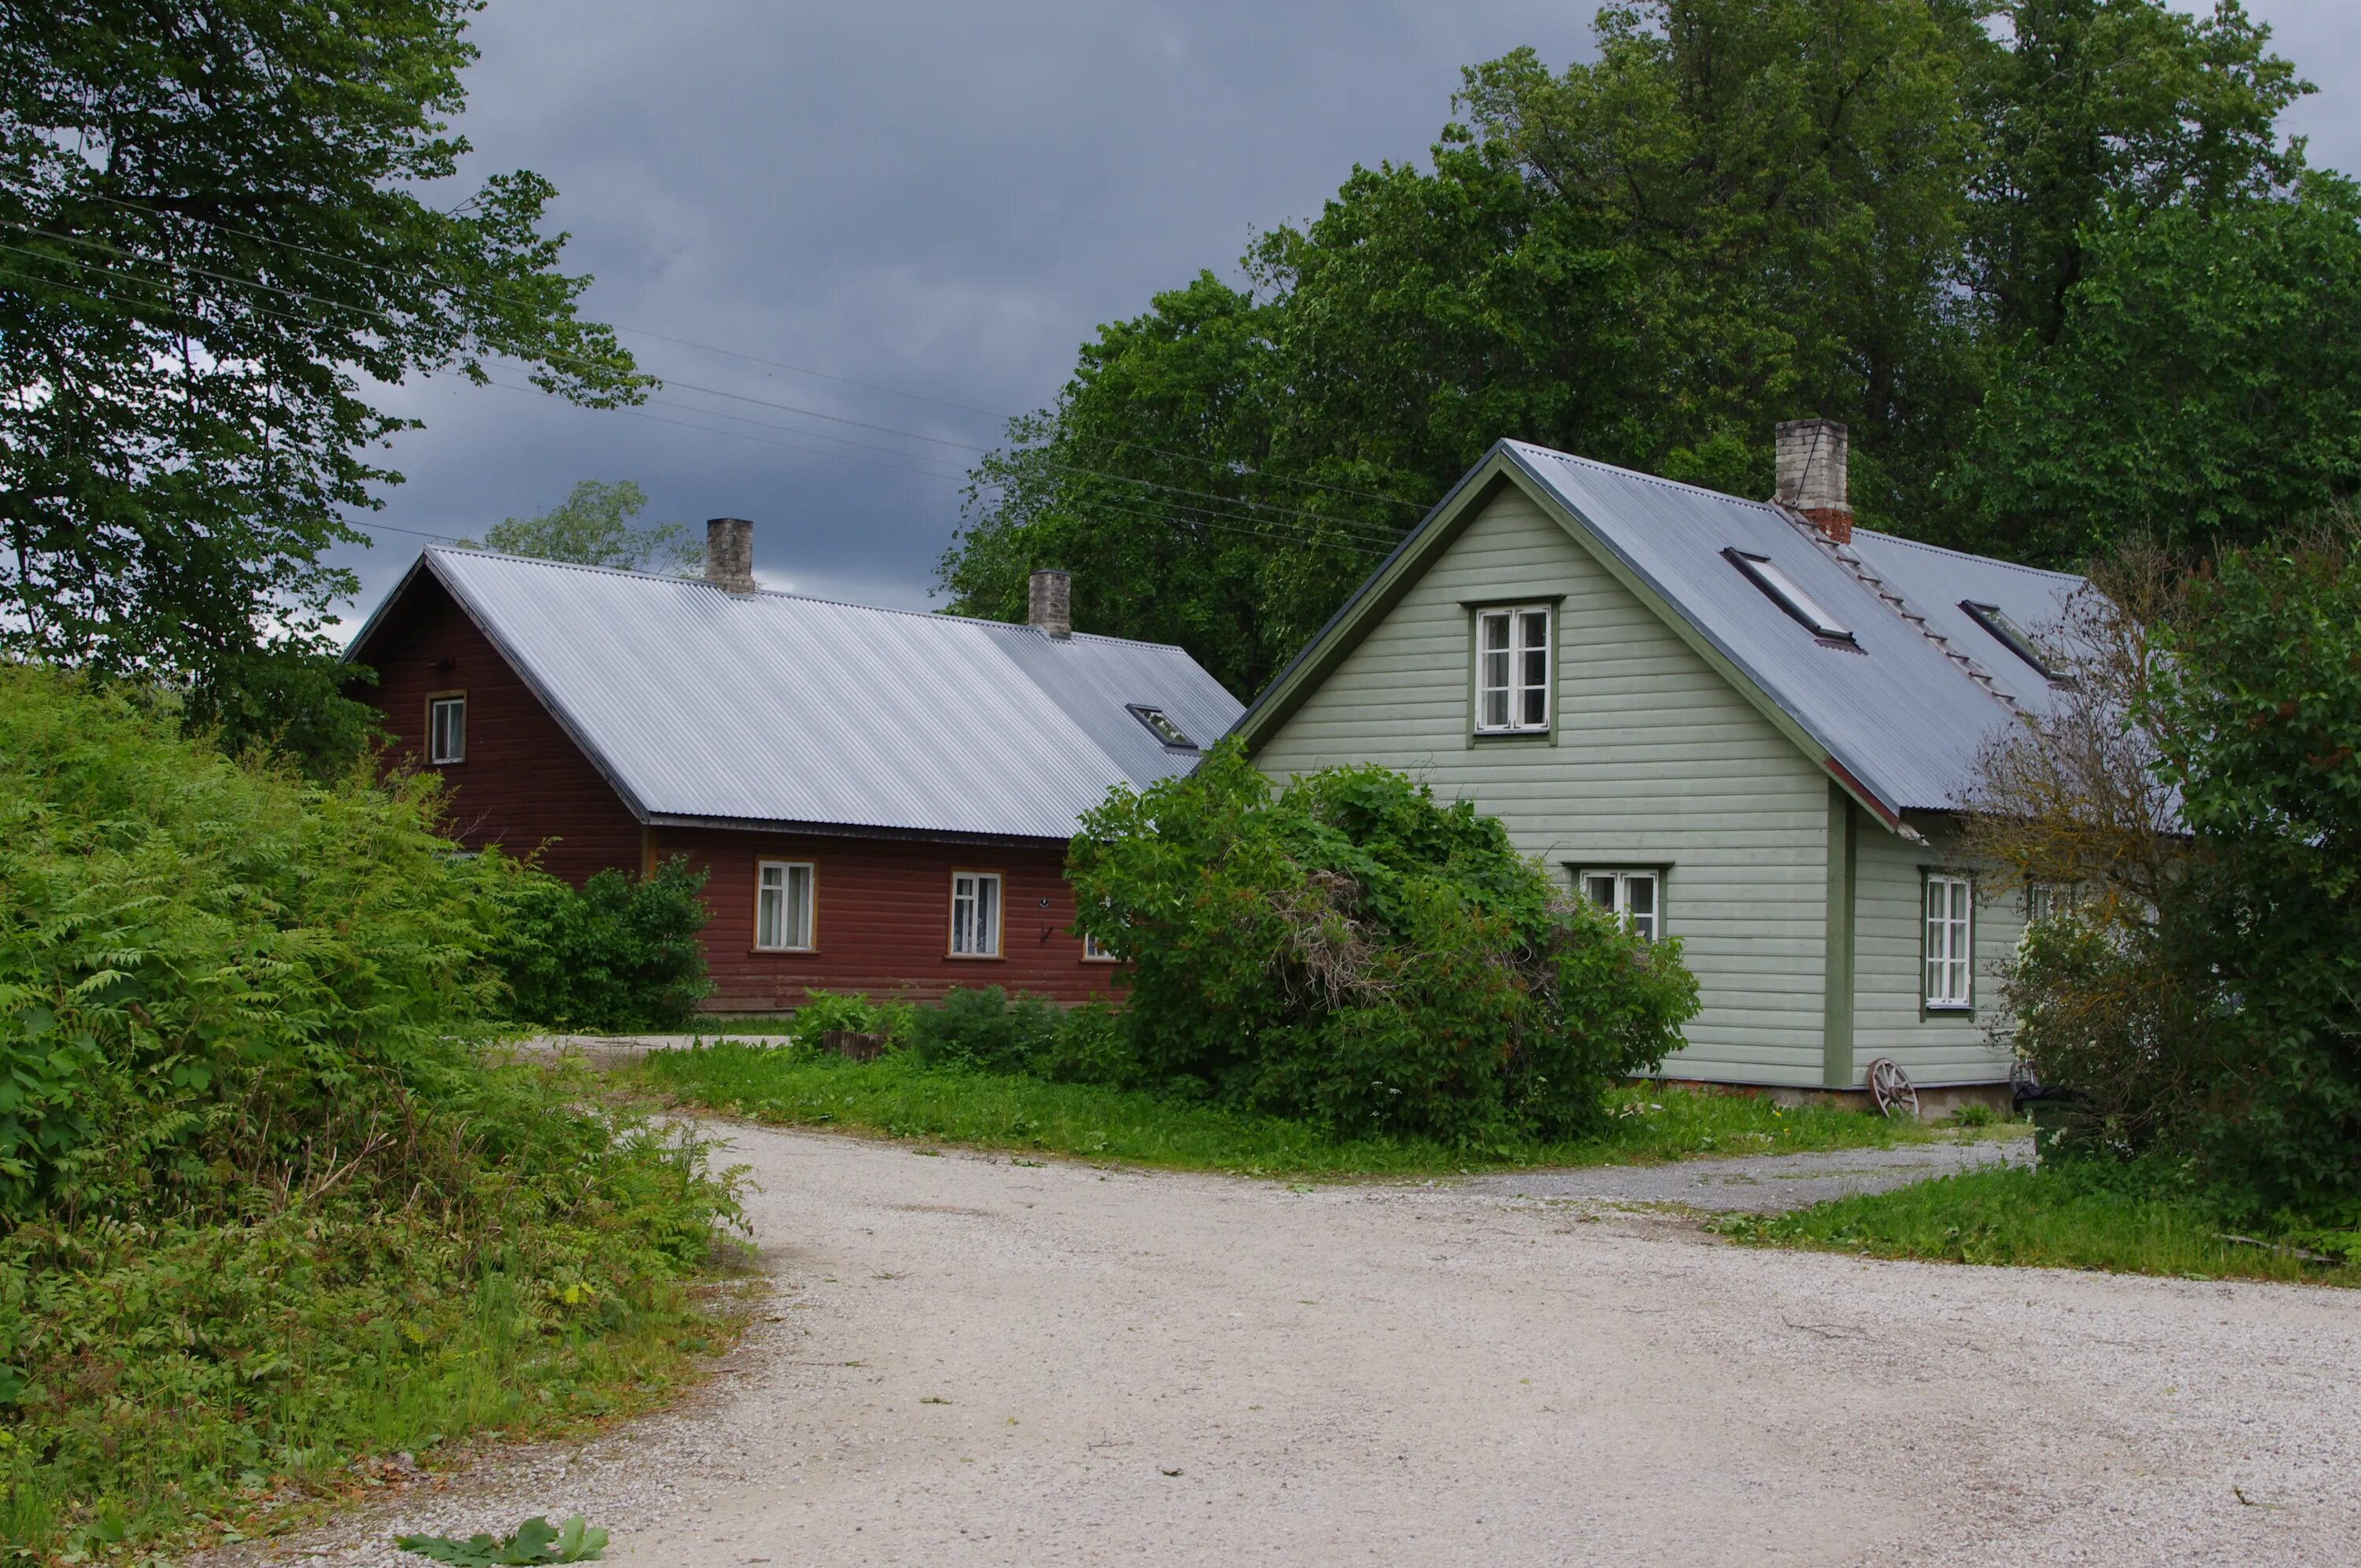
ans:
(268, 1201)
(1348, 949)
(621, 953)
(2200, 791)
(988, 1031)
(825, 1010)
(2258, 712)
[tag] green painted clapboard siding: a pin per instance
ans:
(1889, 980)
(1655, 758)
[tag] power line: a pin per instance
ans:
(800, 369)
(1359, 529)
(691, 386)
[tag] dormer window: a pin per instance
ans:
(1161, 725)
(2011, 636)
(1788, 595)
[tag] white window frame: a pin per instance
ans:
(2048, 900)
(1518, 671)
(1620, 882)
(437, 703)
(795, 928)
(977, 907)
(1094, 953)
(1946, 925)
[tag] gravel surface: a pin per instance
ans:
(973, 1360)
(1759, 1182)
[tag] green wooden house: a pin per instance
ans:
(1742, 723)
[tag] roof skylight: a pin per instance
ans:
(2011, 636)
(1161, 726)
(1789, 596)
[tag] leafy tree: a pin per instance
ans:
(1741, 211)
(2200, 791)
(215, 220)
(1349, 951)
(594, 526)
(2204, 385)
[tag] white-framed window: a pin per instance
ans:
(2048, 900)
(446, 727)
(1097, 953)
(1512, 670)
(1637, 896)
(975, 914)
(1949, 940)
(783, 905)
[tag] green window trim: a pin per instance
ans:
(1957, 926)
(1545, 605)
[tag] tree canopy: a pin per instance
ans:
(1984, 234)
(220, 220)
(595, 526)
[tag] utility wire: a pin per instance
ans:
(797, 369)
(1361, 532)
(688, 385)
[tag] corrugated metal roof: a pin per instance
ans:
(1900, 711)
(771, 707)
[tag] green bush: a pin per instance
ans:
(986, 1031)
(1348, 950)
(2257, 708)
(269, 1201)
(620, 954)
(826, 1010)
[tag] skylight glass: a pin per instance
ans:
(1162, 727)
(1789, 596)
(2011, 636)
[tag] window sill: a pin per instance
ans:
(977, 957)
(782, 952)
(1947, 1008)
(1510, 737)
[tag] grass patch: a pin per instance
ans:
(2052, 1218)
(899, 1098)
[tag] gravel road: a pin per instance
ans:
(977, 1361)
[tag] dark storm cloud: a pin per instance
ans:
(942, 199)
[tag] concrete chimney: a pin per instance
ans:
(1050, 602)
(730, 555)
(1811, 457)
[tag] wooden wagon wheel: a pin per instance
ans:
(1889, 1087)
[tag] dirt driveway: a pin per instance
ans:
(977, 1361)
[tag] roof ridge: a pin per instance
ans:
(1970, 555)
(1643, 477)
(1850, 559)
(927, 615)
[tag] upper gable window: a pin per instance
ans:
(1789, 596)
(446, 728)
(1512, 670)
(2011, 636)
(1160, 724)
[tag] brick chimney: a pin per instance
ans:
(730, 555)
(1811, 457)
(1050, 602)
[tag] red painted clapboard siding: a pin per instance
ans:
(883, 905)
(526, 785)
(881, 921)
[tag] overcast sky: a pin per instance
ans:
(939, 198)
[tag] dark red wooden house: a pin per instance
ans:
(881, 800)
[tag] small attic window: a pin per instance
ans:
(1789, 596)
(2011, 636)
(1160, 726)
